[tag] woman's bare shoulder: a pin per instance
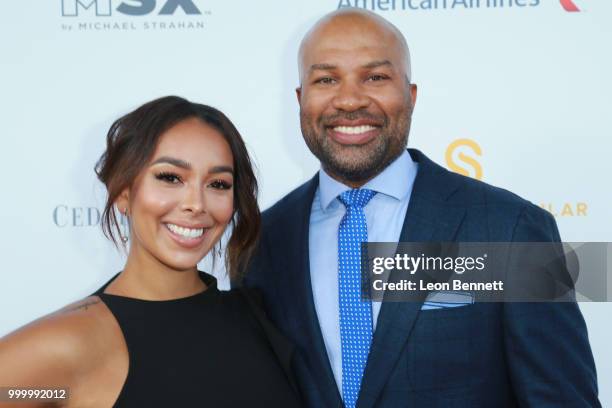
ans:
(59, 347)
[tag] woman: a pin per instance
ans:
(160, 334)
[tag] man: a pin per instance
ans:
(356, 102)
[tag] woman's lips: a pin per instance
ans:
(188, 242)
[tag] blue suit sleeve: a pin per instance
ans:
(546, 344)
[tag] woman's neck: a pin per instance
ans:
(145, 277)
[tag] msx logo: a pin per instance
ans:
(71, 8)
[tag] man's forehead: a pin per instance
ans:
(355, 52)
(351, 35)
(347, 32)
(367, 57)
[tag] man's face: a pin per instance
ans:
(355, 100)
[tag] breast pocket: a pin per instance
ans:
(443, 347)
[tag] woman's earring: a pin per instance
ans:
(122, 233)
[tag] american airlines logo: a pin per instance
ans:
(433, 5)
(569, 6)
(436, 5)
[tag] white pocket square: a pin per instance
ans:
(447, 299)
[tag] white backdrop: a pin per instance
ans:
(520, 88)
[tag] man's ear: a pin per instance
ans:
(413, 94)
(298, 93)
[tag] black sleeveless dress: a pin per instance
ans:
(212, 349)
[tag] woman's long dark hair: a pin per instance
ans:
(130, 144)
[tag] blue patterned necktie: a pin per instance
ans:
(355, 314)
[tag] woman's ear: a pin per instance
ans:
(123, 202)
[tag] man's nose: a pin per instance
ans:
(350, 97)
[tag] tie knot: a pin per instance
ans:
(356, 198)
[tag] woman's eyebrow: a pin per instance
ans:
(221, 169)
(175, 162)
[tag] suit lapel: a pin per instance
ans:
(428, 218)
(298, 296)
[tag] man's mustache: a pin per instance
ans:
(331, 120)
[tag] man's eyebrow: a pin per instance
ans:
(221, 169)
(378, 63)
(321, 67)
(369, 65)
(175, 162)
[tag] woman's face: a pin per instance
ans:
(181, 202)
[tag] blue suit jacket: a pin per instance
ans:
(480, 355)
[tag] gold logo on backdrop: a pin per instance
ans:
(467, 165)
(569, 209)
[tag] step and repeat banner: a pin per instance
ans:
(513, 92)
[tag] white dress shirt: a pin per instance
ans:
(385, 215)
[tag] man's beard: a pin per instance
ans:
(356, 163)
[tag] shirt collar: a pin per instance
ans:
(392, 181)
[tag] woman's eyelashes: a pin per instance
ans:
(173, 178)
(221, 185)
(168, 177)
